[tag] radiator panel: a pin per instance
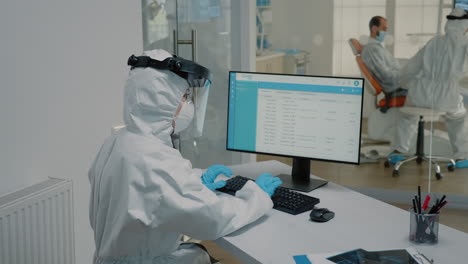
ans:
(36, 224)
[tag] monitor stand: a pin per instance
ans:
(300, 180)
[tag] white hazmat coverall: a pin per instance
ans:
(432, 77)
(145, 194)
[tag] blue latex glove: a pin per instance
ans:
(209, 176)
(268, 183)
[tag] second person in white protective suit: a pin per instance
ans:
(432, 78)
(145, 195)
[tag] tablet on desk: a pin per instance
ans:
(360, 256)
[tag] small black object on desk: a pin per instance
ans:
(321, 215)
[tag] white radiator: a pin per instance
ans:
(36, 224)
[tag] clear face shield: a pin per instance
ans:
(197, 76)
(198, 94)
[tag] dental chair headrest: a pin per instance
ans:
(356, 47)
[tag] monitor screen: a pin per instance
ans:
(295, 115)
(461, 4)
(298, 116)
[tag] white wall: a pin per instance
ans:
(62, 72)
(416, 22)
(305, 25)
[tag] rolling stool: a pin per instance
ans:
(419, 156)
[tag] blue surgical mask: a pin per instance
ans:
(381, 36)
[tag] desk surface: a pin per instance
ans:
(360, 222)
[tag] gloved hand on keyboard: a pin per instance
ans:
(268, 183)
(209, 176)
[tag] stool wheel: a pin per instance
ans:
(451, 167)
(395, 173)
(387, 164)
(439, 176)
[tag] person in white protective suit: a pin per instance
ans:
(432, 77)
(144, 193)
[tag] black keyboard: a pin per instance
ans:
(284, 199)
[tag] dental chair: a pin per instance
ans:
(381, 102)
(378, 123)
(380, 128)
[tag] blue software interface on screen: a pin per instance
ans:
(292, 115)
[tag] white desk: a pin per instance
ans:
(360, 222)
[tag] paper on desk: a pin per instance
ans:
(322, 258)
(418, 256)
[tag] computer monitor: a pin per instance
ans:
(461, 4)
(298, 116)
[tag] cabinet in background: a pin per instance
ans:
(271, 62)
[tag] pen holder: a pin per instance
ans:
(424, 228)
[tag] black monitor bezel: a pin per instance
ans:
(291, 156)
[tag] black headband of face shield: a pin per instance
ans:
(186, 69)
(465, 16)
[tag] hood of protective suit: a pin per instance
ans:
(455, 29)
(151, 99)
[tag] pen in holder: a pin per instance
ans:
(424, 228)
